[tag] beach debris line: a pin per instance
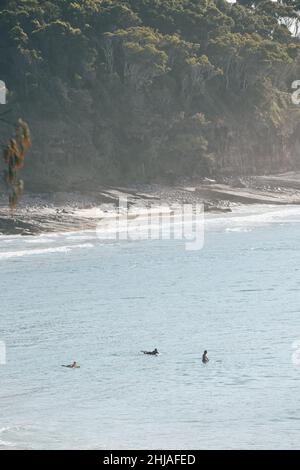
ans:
(14, 155)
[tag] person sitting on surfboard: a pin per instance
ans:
(151, 353)
(205, 358)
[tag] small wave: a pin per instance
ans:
(238, 229)
(39, 240)
(42, 251)
(7, 444)
(9, 431)
(5, 428)
(81, 237)
(259, 215)
(15, 428)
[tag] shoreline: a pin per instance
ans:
(72, 212)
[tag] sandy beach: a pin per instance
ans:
(64, 212)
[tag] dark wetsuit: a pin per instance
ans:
(205, 359)
(151, 353)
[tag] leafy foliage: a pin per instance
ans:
(155, 87)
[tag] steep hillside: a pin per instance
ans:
(150, 90)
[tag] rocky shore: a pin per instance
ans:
(59, 212)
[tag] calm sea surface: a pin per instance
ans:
(68, 297)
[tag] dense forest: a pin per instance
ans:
(151, 90)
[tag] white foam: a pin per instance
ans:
(238, 229)
(7, 444)
(5, 428)
(81, 237)
(41, 251)
(257, 215)
(10, 430)
(92, 213)
(242, 219)
(4, 443)
(39, 240)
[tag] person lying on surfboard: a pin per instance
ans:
(74, 365)
(151, 353)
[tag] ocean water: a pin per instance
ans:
(68, 297)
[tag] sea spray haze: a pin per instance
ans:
(139, 90)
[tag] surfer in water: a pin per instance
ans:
(151, 353)
(74, 365)
(205, 358)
